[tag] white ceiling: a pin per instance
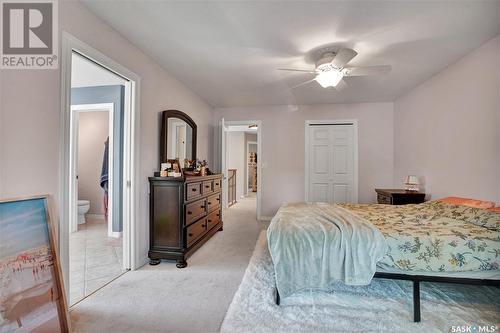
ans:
(228, 52)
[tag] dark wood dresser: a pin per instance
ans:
(399, 197)
(183, 214)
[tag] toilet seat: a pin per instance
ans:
(83, 202)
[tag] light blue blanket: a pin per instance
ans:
(313, 245)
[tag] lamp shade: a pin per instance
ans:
(329, 78)
(412, 180)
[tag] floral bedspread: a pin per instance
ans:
(435, 236)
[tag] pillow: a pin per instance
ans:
(468, 202)
(495, 209)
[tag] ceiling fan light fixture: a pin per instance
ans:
(329, 78)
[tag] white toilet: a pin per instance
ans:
(83, 208)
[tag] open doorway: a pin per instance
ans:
(251, 170)
(241, 163)
(96, 240)
(98, 195)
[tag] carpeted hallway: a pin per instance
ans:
(164, 298)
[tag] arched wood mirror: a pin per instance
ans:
(178, 137)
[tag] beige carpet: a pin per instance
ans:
(166, 299)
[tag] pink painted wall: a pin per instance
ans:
(93, 130)
(283, 147)
(447, 130)
(30, 108)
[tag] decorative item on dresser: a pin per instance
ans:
(399, 197)
(184, 214)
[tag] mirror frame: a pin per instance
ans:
(164, 132)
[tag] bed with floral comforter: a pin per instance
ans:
(435, 236)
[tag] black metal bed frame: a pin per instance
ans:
(416, 279)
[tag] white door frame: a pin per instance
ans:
(131, 176)
(354, 123)
(75, 113)
(224, 156)
(246, 166)
(223, 164)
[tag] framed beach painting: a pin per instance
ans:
(32, 297)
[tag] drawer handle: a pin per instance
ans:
(193, 189)
(190, 212)
(218, 199)
(209, 221)
(209, 202)
(190, 235)
(207, 186)
(202, 207)
(218, 215)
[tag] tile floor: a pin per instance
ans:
(95, 258)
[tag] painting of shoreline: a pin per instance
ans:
(30, 288)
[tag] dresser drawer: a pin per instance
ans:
(193, 190)
(383, 199)
(217, 184)
(212, 219)
(213, 202)
(195, 231)
(195, 210)
(208, 187)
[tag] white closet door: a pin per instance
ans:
(331, 163)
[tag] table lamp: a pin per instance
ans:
(411, 183)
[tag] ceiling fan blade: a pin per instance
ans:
(303, 83)
(365, 71)
(341, 85)
(297, 70)
(342, 57)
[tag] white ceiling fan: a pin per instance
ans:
(331, 69)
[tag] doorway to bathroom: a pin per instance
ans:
(96, 231)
